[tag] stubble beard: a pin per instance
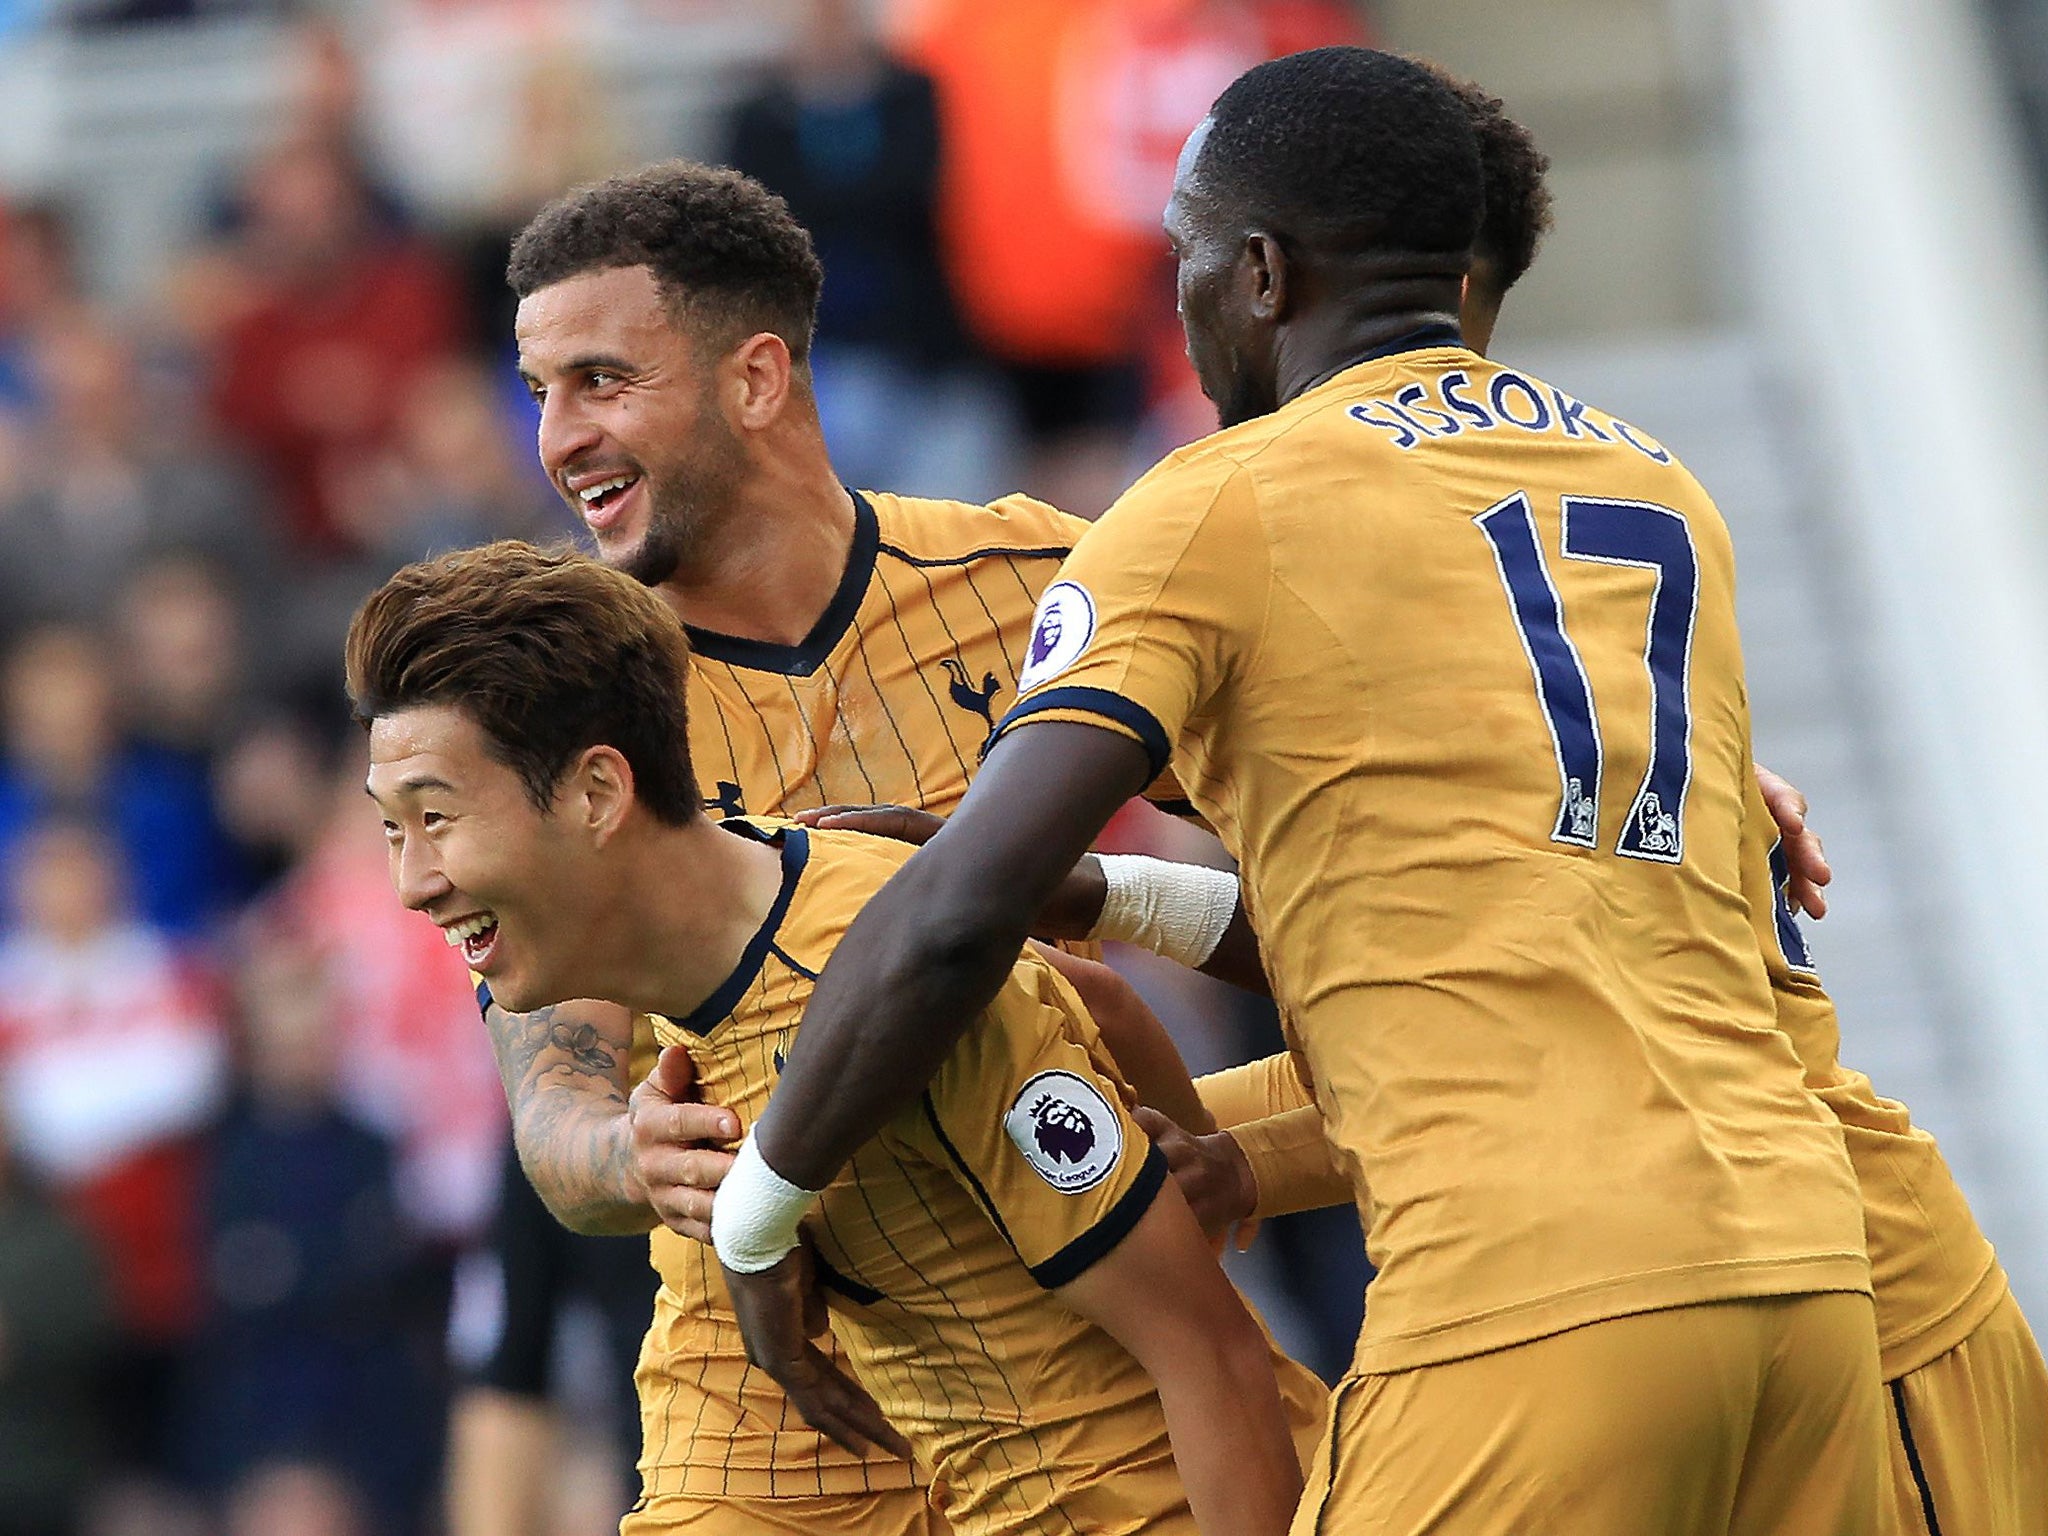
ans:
(685, 506)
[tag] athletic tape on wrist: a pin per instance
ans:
(756, 1212)
(1176, 910)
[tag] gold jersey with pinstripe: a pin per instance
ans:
(888, 700)
(891, 696)
(1017, 1169)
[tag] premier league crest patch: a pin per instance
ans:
(1066, 1130)
(1060, 632)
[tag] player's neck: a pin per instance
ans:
(1340, 333)
(773, 569)
(686, 903)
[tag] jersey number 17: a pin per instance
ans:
(1635, 533)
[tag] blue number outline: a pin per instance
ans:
(1610, 532)
(1655, 825)
(1563, 690)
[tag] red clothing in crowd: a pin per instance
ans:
(310, 383)
(112, 1060)
(415, 1059)
(1062, 121)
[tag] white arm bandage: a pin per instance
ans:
(755, 1214)
(1176, 910)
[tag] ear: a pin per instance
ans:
(600, 792)
(1266, 276)
(759, 376)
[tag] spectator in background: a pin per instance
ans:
(38, 289)
(295, 1499)
(1063, 119)
(179, 631)
(63, 752)
(507, 1431)
(274, 790)
(850, 137)
(455, 475)
(56, 1330)
(415, 1061)
(105, 492)
(111, 1060)
(305, 1348)
(336, 317)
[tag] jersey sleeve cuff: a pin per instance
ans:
(1092, 1246)
(1132, 717)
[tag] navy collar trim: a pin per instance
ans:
(1437, 334)
(805, 658)
(796, 852)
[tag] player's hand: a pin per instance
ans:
(1805, 859)
(779, 1315)
(898, 821)
(679, 1144)
(1214, 1175)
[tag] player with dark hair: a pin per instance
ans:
(846, 646)
(1015, 1275)
(1517, 203)
(1966, 1386)
(1622, 1284)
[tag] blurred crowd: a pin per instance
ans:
(251, 1124)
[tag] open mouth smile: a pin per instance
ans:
(476, 936)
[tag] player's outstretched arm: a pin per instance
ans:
(922, 960)
(932, 948)
(564, 1071)
(1160, 1295)
(1076, 909)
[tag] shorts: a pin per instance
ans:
(1969, 1435)
(1757, 1417)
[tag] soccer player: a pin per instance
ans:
(1019, 1283)
(1450, 661)
(845, 646)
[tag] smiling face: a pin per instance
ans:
(509, 884)
(632, 432)
(1211, 290)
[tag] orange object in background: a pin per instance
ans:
(1062, 122)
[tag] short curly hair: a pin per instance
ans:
(1346, 150)
(725, 250)
(1512, 167)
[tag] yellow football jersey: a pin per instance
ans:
(1934, 1275)
(1450, 662)
(894, 693)
(1017, 1169)
(889, 700)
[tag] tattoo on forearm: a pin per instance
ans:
(567, 1093)
(584, 1043)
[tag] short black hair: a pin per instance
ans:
(548, 651)
(1512, 168)
(725, 250)
(1347, 150)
